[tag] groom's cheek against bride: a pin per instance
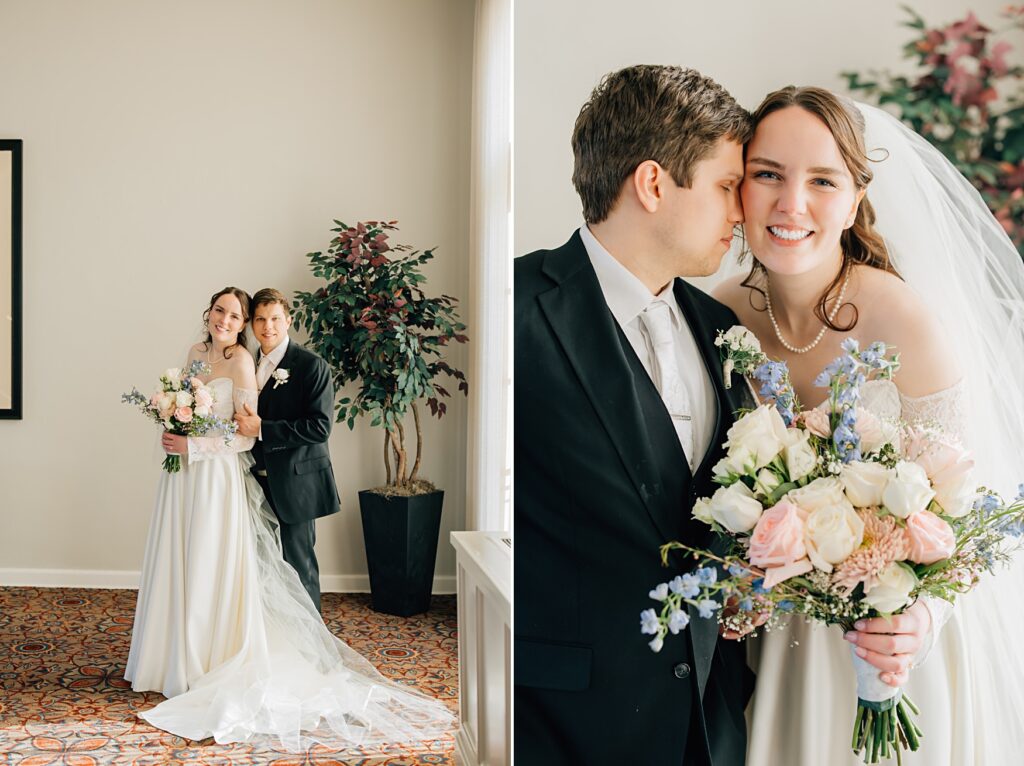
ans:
(697, 222)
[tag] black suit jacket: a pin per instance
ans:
(296, 421)
(593, 502)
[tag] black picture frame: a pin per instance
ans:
(14, 148)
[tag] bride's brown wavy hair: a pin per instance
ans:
(243, 298)
(860, 244)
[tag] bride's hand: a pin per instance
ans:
(892, 644)
(174, 444)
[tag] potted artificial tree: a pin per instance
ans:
(373, 324)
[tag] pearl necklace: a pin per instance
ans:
(209, 358)
(831, 317)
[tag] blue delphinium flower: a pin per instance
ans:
(707, 608)
(786, 605)
(747, 604)
(660, 592)
(850, 346)
(677, 621)
(986, 505)
(737, 571)
(847, 442)
(687, 585)
(824, 379)
(1020, 493)
(1014, 528)
(649, 622)
(759, 588)
(707, 575)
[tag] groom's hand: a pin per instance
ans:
(891, 644)
(249, 423)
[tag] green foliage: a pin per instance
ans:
(968, 103)
(373, 324)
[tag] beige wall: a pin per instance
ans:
(174, 148)
(750, 46)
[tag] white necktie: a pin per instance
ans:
(657, 318)
(263, 371)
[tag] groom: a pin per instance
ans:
(293, 464)
(620, 415)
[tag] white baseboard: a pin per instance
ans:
(95, 578)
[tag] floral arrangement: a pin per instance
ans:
(183, 405)
(837, 515)
(968, 102)
(373, 323)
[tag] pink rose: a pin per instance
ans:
(869, 427)
(203, 398)
(948, 467)
(183, 414)
(777, 543)
(817, 422)
(931, 538)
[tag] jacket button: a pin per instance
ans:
(682, 670)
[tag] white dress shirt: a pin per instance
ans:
(273, 359)
(627, 297)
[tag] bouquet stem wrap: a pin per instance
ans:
(883, 727)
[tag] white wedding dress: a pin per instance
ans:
(224, 629)
(805, 698)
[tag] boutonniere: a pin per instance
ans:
(740, 351)
(280, 377)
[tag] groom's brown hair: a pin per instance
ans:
(668, 114)
(270, 295)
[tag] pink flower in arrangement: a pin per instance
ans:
(777, 543)
(885, 541)
(183, 414)
(203, 398)
(817, 422)
(931, 538)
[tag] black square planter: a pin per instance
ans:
(400, 534)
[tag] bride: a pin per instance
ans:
(824, 269)
(223, 626)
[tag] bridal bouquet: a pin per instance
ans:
(183, 405)
(838, 515)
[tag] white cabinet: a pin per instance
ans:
(483, 574)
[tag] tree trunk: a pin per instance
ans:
(387, 456)
(419, 443)
(399, 457)
(402, 475)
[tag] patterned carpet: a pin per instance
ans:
(64, 699)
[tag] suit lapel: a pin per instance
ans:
(587, 333)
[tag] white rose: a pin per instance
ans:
(735, 508)
(864, 483)
(183, 399)
(956, 497)
(702, 511)
(801, 459)
(820, 493)
(173, 373)
(832, 533)
(892, 591)
(165, 402)
(739, 336)
(760, 434)
(202, 411)
(767, 482)
(722, 469)
(908, 490)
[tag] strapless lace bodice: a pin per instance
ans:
(943, 410)
(227, 400)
